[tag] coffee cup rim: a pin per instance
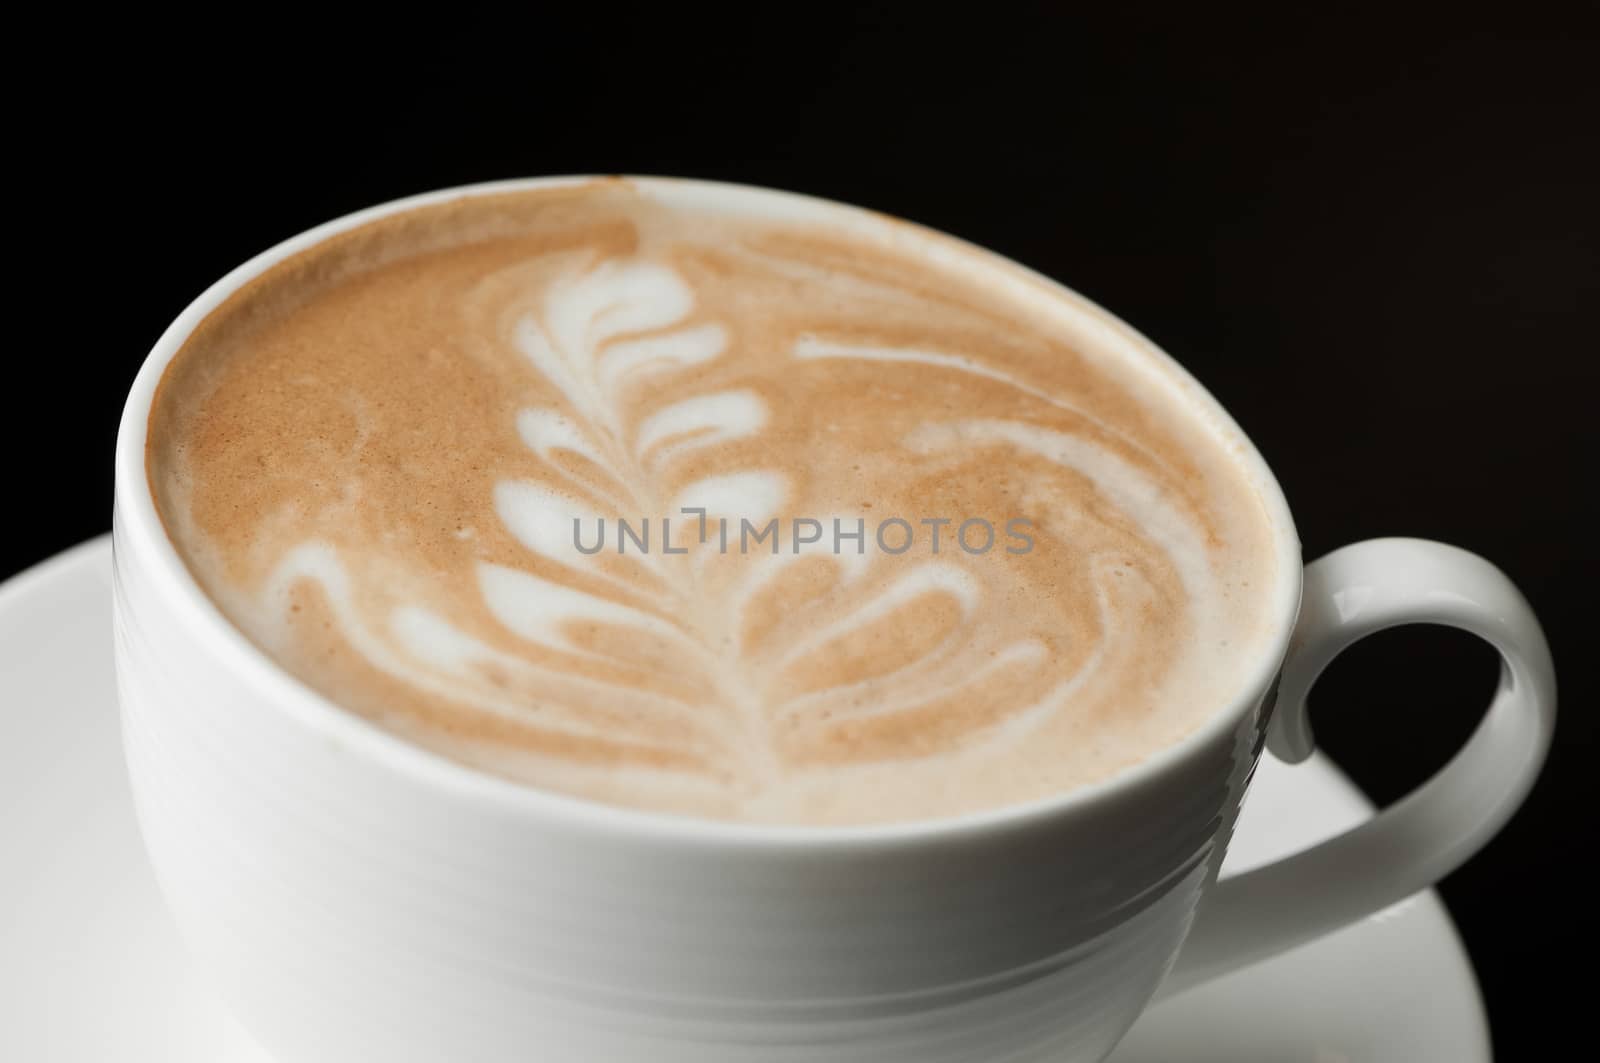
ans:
(170, 577)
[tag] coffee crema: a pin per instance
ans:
(389, 459)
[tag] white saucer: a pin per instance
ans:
(91, 968)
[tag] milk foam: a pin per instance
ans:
(375, 458)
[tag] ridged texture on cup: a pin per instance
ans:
(356, 899)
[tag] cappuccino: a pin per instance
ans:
(715, 502)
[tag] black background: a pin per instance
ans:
(1377, 244)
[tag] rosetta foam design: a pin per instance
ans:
(484, 420)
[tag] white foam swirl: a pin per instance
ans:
(762, 670)
(600, 332)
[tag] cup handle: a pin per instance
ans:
(1349, 594)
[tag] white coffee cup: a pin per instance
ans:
(354, 897)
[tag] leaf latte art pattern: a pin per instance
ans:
(456, 399)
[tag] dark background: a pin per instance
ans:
(1378, 245)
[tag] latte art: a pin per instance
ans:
(473, 471)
